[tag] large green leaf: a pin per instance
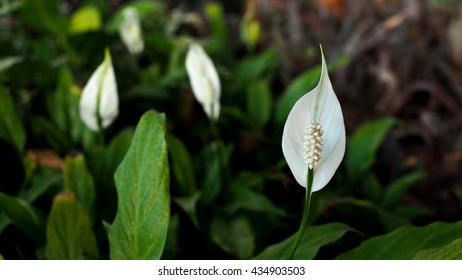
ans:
(234, 236)
(11, 128)
(451, 251)
(78, 179)
(363, 146)
(313, 239)
(28, 219)
(69, 232)
(140, 228)
(409, 242)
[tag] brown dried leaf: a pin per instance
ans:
(46, 158)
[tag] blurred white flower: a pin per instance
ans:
(314, 134)
(130, 31)
(99, 103)
(204, 80)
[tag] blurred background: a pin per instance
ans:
(395, 65)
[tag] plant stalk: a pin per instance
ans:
(306, 211)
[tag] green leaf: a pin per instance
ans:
(11, 128)
(362, 147)
(234, 236)
(313, 239)
(85, 19)
(59, 103)
(371, 187)
(182, 166)
(7, 62)
(411, 212)
(4, 221)
(256, 67)
(140, 227)
(1, 257)
(189, 204)
(372, 215)
(451, 251)
(45, 14)
(8, 7)
(241, 198)
(259, 103)
(43, 180)
(398, 188)
(78, 179)
(53, 137)
(216, 158)
(406, 242)
(69, 232)
(27, 218)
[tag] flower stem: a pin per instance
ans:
(306, 211)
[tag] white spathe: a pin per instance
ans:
(99, 98)
(204, 80)
(320, 105)
(130, 31)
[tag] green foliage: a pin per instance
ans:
(259, 103)
(234, 236)
(398, 188)
(27, 218)
(451, 251)
(313, 239)
(11, 129)
(46, 15)
(77, 179)
(232, 191)
(140, 228)
(69, 232)
(256, 67)
(7, 62)
(215, 15)
(411, 242)
(363, 145)
(182, 166)
(85, 19)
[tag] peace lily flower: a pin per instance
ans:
(99, 103)
(314, 134)
(130, 31)
(313, 141)
(204, 80)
